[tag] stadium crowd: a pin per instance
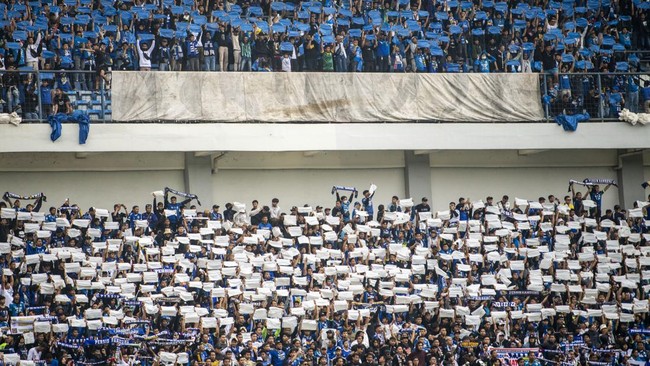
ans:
(552, 281)
(372, 36)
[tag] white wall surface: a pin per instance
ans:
(92, 188)
(296, 187)
(102, 179)
(448, 184)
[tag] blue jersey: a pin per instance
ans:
(564, 82)
(597, 197)
(151, 218)
(367, 205)
(277, 357)
(133, 217)
(345, 208)
(176, 207)
(33, 249)
(483, 65)
(383, 50)
(46, 95)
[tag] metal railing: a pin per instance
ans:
(602, 95)
(30, 93)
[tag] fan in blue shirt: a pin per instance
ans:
(171, 204)
(150, 216)
(51, 217)
(596, 195)
(367, 203)
(345, 206)
(134, 216)
(277, 355)
(265, 224)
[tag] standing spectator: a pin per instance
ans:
(367, 204)
(261, 48)
(144, 54)
(164, 55)
(177, 56)
(368, 51)
(383, 53)
(616, 102)
(46, 97)
(632, 100)
(104, 64)
(30, 111)
(341, 55)
(125, 57)
(645, 93)
(209, 56)
(276, 211)
(356, 64)
(33, 51)
(10, 81)
(311, 53)
(286, 62)
(246, 54)
(397, 60)
(328, 58)
(548, 62)
(235, 36)
(88, 61)
(223, 41)
(192, 52)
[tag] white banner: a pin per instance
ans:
(325, 97)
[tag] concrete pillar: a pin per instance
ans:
(198, 178)
(417, 175)
(630, 177)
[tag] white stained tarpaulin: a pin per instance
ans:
(325, 97)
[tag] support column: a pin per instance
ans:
(198, 178)
(417, 175)
(630, 176)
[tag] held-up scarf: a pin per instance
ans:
(354, 191)
(183, 194)
(588, 182)
(639, 331)
(36, 196)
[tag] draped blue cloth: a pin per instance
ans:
(570, 122)
(79, 117)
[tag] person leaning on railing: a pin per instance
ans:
(10, 81)
(61, 102)
(645, 94)
(30, 111)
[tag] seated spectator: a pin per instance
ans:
(61, 102)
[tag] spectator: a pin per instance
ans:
(223, 41)
(192, 53)
(246, 54)
(144, 54)
(61, 102)
(31, 103)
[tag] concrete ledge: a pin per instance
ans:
(207, 137)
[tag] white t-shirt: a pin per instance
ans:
(275, 212)
(286, 64)
(33, 354)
